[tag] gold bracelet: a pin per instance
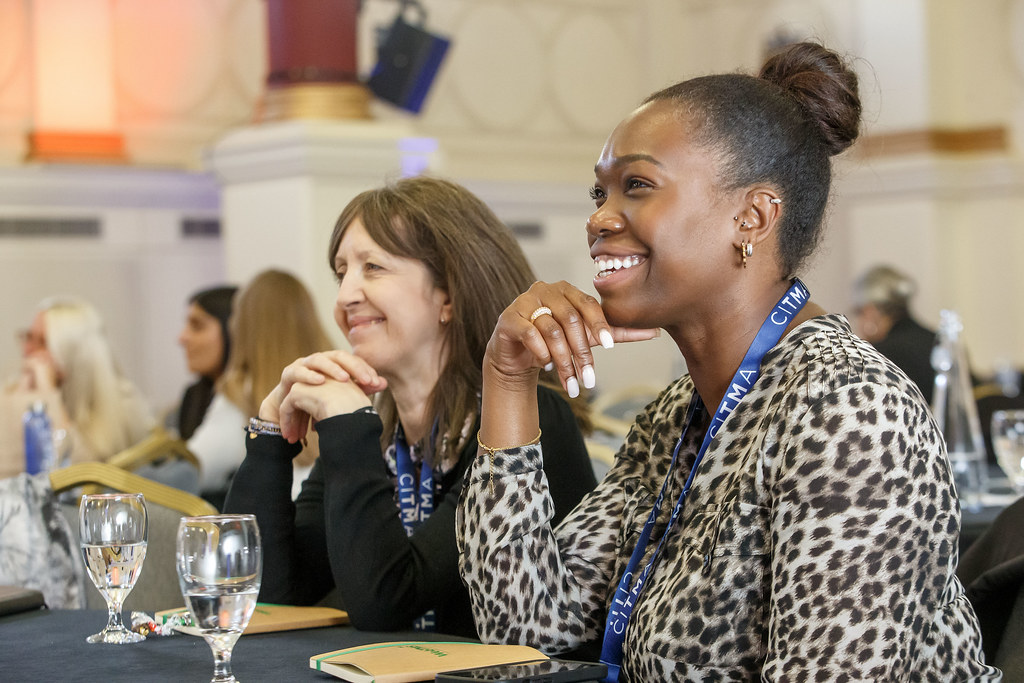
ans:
(491, 451)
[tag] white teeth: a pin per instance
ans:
(608, 264)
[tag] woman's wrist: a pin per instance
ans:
(508, 408)
(260, 426)
(520, 383)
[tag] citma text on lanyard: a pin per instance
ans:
(415, 501)
(628, 591)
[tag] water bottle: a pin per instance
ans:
(39, 451)
(956, 413)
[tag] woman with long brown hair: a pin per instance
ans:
(424, 268)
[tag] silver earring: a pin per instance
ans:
(743, 224)
(774, 200)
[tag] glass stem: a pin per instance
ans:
(222, 665)
(114, 622)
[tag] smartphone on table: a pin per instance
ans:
(534, 671)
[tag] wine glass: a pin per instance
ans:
(114, 528)
(220, 565)
(1008, 443)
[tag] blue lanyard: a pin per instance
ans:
(628, 592)
(415, 503)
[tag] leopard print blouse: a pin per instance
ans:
(818, 542)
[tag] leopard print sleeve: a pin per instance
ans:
(531, 584)
(864, 526)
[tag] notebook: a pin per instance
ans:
(406, 661)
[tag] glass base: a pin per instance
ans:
(116, 636)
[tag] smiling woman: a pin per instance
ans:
(783, 512)
(424, 269)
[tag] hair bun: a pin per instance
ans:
(825, 88)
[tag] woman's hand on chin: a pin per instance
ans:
(553, 324)
(316, 370)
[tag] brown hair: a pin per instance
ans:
(471, 255)
(273, 322)
(780, 128)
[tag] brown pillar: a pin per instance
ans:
(312, 54)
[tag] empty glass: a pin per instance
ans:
(219, 568)
(114, 528)
(1008, 443)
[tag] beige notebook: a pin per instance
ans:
(407, 661)
(267, 618)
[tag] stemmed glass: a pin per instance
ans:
(219, 568)
(1008, 443)
(114, 527)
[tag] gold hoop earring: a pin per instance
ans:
(746, 251)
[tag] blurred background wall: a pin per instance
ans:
(135, 166)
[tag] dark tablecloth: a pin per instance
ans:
(49, 645)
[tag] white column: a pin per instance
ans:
(284, 185)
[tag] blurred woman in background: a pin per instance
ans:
(206, 340)
(68, 364)
(273, 322)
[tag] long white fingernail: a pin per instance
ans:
(606, 339)
(587, 374)
(573, 387)
(549, 367)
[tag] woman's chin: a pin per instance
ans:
(621, 315)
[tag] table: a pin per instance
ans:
(49, 645)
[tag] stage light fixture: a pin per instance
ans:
(408, 58)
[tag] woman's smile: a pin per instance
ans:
(358, 324)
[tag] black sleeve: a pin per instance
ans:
(347, 507)
(295, 567)
(566, 461)
(386, 579)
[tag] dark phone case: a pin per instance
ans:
(14, 599)
(580, 671)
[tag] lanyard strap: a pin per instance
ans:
(628, 592)
(415, 503)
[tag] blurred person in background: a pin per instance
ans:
(68, 364)
(273, 321)
(206, 340)
(882, 316)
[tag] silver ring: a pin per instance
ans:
(543, 310)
